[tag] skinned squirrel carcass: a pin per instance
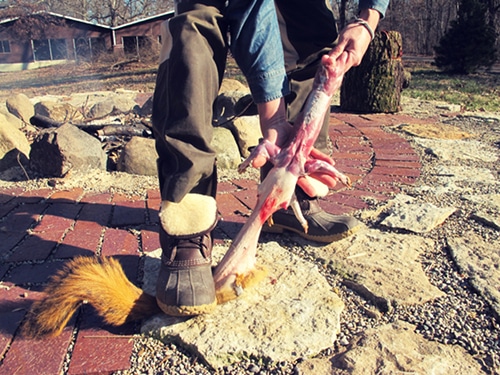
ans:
(99, 281)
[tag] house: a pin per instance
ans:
(64, 38)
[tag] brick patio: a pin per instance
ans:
(41, 229)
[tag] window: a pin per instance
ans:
(50, 49)
(4, 46)
(133, 45)
(89, 48)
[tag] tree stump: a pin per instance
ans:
(375, 85)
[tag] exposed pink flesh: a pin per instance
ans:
(291, 162)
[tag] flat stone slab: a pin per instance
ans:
(292, 313)
(453, 150)
(435, 131)
(382, 267)
(480, 261)
(407, 213)
(394, 349)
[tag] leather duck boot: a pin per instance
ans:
(323, 226)
(185, 285)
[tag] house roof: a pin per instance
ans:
(96, 24)
(169, 13)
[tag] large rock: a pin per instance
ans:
(247, 132)
(435, 130)
(14, 147)
(407, 213)
(139, 157)
(58, 111)
(479, 261)
(382, 267)
(293, 313)
(396, 349)
(6, 116)
(224, 106)
(20, 106)
(224, 144)
(455, 150)
(57, 151)
(113, 104)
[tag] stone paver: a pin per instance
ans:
(41, 229)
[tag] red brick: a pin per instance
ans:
(119, 242)
(150, 238)
(97, 198)
(96, 213)
(15, 301)
(395, 171)
(153, 205)
(226, 187)
(245, 183)
(17, 223)
(33, 273)
(61, 196)
(154, 194)
(45, 356)
(83, 239)
(378, 186)
(35, 196)
(9, 323)
(128, 210)
(230, 207)
(53, 226)
(37, 246)
(23, 218)
(15, 297)
(100, 349)
(364, 165)
(364, 194)
(362, 156)
(398, 163)
(396, 156)
(8, 194)
(6, 208)
(247, 197)
(335, 208)
(347, 200)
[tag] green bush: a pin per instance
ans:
(469, 43)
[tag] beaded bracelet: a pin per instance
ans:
(365, 24)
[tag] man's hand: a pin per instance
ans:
(354, 39)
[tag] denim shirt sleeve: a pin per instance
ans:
(255, 43)
(379, 5)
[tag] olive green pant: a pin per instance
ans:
(191, 71)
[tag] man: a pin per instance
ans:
(191, 70)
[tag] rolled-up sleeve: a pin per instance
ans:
(256, 47)
(379, 5)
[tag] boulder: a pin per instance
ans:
(139, 157)
(58, 111)
(246, 130)
(224, 144)
(14, 147)
(396, 349)
(112, 105)
(293, 313)
(55, 152)
(21, 107)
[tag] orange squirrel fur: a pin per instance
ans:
(99, 281)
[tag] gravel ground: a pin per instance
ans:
(462, 317)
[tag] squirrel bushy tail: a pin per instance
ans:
(99, 281)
